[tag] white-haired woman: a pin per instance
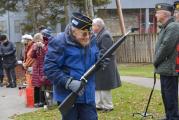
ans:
(28, 61)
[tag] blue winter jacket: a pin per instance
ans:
(66, 58)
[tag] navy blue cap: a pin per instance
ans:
(81, 21)
(164, 6)
(46, 32)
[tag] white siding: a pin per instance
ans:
(130, 4)
(11, 27)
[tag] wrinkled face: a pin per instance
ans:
(160, 15)
(95, 28)
(176, 14)
(82, 36)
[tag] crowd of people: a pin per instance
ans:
(35, 49)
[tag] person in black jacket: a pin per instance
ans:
(7, 51)
(1, 72)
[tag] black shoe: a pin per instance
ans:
(107, 110)
(9, 86)
(41, 104)
(13, 86)
(99, 109)
(37, 105)
(1, 84)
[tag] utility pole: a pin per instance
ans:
(8, 20)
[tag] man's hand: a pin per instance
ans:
(75, 86)
(104, 63)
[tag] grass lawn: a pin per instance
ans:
(143, 70)
(127, 99)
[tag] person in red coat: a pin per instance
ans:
(38, 53)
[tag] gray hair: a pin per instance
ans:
(99, 22)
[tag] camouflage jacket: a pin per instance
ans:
(165, 49)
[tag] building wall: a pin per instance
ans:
(10, 24)
(131, 19)
(128, 4)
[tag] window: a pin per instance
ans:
(17, 27)
(3, 27)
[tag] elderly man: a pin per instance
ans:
(176, 12)
(108, 78)
(165, 59)
(69, 55)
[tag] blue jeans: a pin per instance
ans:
(81, 111)
(169, 91)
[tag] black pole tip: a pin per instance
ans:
(134, 29)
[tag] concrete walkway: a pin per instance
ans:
(141, 81)
(11, 103)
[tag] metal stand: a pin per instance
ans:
(145, 114)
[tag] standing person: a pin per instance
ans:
(165, 59)
(1, 72)
(176, 12)
(176, 15)
(108, 78)
(1, 69)
(38, 54)
(8, 50)
(28, 61)
(69, 56)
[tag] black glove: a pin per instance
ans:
(75, 86)
(104, 63)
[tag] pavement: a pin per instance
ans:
(13, 104)
(141, 81)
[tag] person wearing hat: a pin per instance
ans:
(176, 15)
(176, 12)
(69, 56)
(27, 40)
(7, 52)
(165, 59)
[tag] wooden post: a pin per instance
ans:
(121, 18)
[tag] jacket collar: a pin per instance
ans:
(169, 21)
(100, 32)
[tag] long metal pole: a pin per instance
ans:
(8, 20)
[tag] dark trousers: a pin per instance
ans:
(169, 91)
(39, 96)
(11, 75)
(81, 112)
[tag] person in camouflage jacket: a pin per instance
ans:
(165, 59)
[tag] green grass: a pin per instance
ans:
(143, 70)
(127, 99)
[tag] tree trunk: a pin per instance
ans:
(91, 12)
(66, 12)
